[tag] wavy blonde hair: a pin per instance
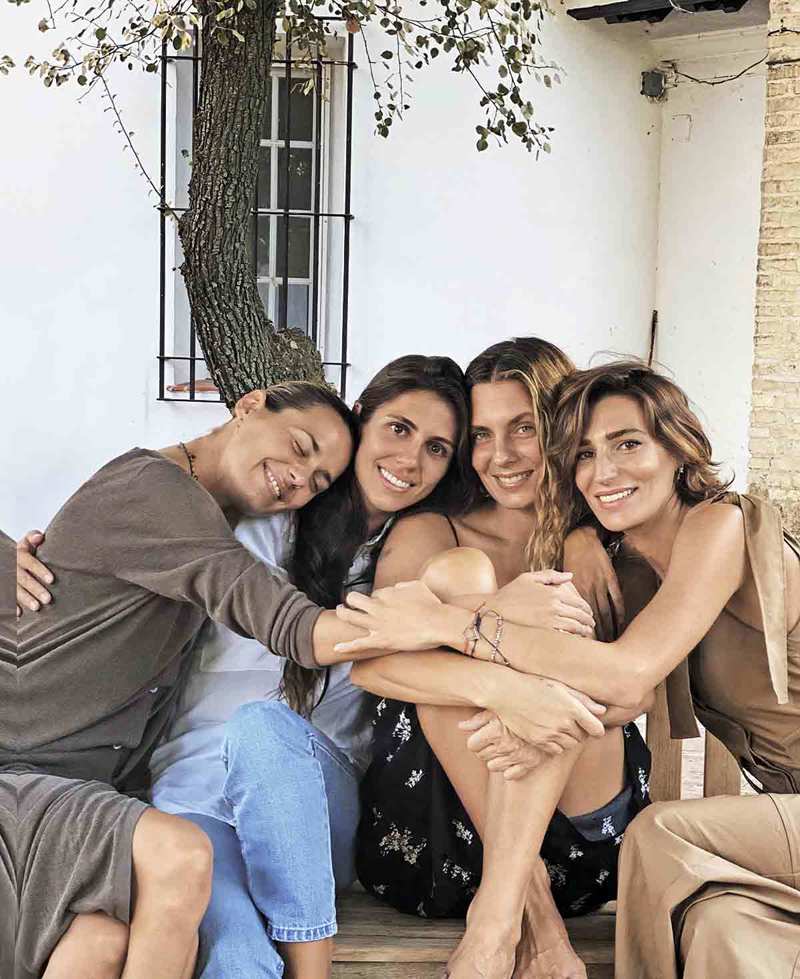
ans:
(541, 366)
(669, 418)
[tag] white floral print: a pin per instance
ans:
(462, 832)
(556, 873)
(402, 729)
(401, 841)
(414, 778)
(451, 869)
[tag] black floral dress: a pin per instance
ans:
(418, 850)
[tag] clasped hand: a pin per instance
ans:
(408, 616)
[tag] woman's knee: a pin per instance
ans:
(460, 571)
(174, 857)
(107, 938)
(100, 943)
(262, 723)
(652, 825)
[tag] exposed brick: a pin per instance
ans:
(775, 414)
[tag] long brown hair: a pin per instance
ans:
(539, 365)
(333, 526)
(670, 420)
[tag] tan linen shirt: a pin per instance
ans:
(743, 684)
(142, 556)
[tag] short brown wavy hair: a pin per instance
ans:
(670, 420)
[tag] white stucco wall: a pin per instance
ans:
(451, 250)
(710, 177)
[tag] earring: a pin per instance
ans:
(680, 472)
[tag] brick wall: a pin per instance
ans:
(775, 419)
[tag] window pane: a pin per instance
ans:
(263, 246)
(264, 291)
(299, 248)
(296, 307)
(266, 117)
(300, 187)
(264, 168)
(302, 123)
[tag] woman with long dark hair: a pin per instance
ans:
(431, 806)
(706, 886)
(281, 806)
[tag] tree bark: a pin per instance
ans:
(241, 348)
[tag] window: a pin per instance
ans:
(301, 213)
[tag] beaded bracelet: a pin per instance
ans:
(497, 655)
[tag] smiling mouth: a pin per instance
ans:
(272, 482)
(513, 479)
(393, 480)
(616, 496)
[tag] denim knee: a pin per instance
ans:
(267, 727)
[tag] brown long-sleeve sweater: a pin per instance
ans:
(142, 555)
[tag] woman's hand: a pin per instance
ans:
(501, 750)
(544, 600)
(544, 713)
(595, 579)
(32, 575)
(404, 617)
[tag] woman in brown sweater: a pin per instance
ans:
(145, 554)
(704, 881)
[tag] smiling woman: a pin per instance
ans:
(429, 801)
(143, 553)
(282, 447)
(707, 886)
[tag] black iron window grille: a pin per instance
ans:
(300, 222)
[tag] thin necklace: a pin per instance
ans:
(190, 460)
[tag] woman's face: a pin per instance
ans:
(627, 477)
(505, 444)
(405, 449)
(279, 460)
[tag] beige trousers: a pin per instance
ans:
(711, 888)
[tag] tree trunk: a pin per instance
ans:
(240, 345)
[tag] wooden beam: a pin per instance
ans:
(665, 775)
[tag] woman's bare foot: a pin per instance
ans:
(488, 948)
(555, 959)
(544, 950)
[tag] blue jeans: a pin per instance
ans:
(294, 797)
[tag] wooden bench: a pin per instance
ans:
(376, 942)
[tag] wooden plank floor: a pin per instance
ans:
(376, 942)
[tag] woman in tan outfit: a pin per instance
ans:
(709, 887)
